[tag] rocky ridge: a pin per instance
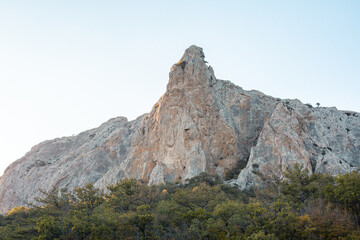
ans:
(200, 124)
(324, 140)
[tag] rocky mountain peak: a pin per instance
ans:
(191, 70)
(193, 53)
(200, 124)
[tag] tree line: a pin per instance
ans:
(299, 206)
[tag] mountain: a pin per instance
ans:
(200, 124)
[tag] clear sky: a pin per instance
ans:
(68, 65)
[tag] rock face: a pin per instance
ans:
(66, 162)
(321, 139)
(200, 124)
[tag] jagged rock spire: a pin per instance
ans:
(193, 52)
(191, 70)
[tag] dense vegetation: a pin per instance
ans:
(298, 206)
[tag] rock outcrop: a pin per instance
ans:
(321, 139)
(66, 162)
(200, 124)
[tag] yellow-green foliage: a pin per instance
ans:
(300, 207)
(17, 210)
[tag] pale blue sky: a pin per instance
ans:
(68, 66)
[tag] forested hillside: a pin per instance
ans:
(296, 207)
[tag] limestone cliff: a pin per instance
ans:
(199, 124)
(66, 162)
(321, 139)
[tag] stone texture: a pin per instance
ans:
(200, 124)
(66, 162)
(323, 140)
